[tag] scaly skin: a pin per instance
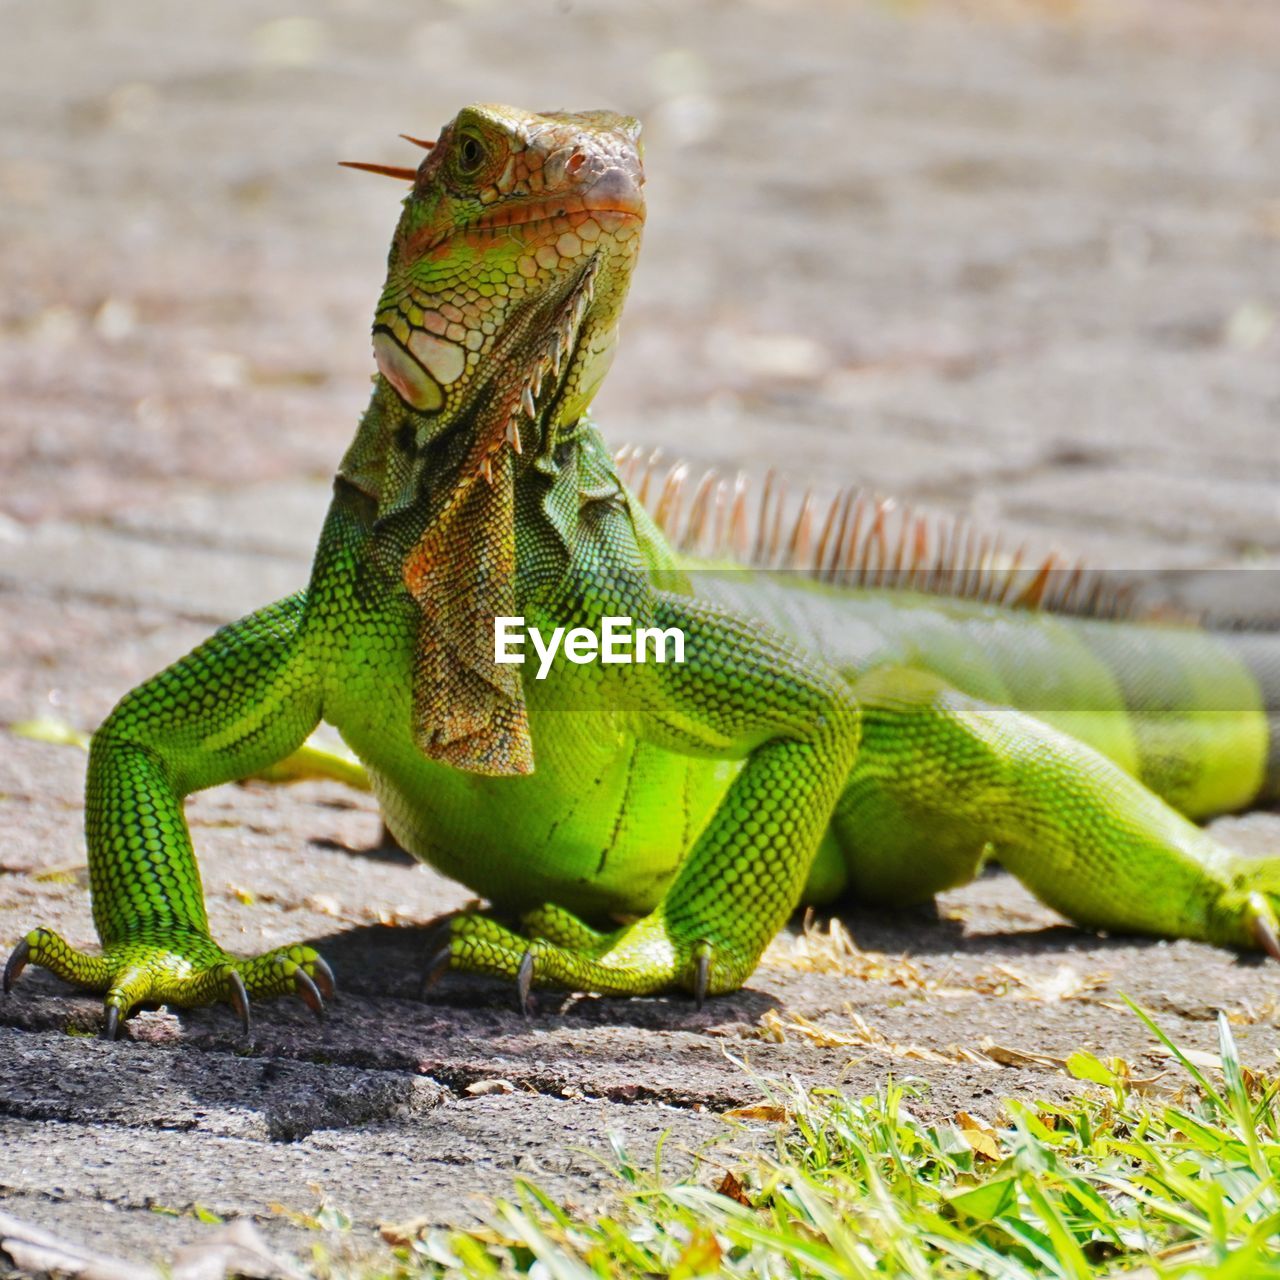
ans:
(815, 741)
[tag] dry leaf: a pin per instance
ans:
(236, 1249)
(1197, 1057)
(483, 1088)
(1249, 1014)
(1009, 1057)
(835, 951)
(732, 1189)
(1065, 983)
(701, 1257)
(769, 1112)
(398, 1234)
(860, 1036)
(982, 1139)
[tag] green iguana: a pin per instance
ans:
(649, 827)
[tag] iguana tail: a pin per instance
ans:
(1259, 653)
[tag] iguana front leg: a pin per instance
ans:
(243, 699)
(740, 693)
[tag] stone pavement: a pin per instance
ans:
(1014, 260)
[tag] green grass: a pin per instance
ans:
(1118, 1181)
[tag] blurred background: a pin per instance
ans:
(1014, 260)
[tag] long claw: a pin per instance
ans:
(437, 953)
(702, 977)
(1262, 918)
(16, 963)
(112, 1026)
(308, 992)
(239, 999)
(324, 977)
(435, 969)
(524, 980)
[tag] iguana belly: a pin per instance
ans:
(599, 827)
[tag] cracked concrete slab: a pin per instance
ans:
(211, 1093)
(1020, 263)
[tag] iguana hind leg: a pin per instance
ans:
(941, 776)
(244, 698)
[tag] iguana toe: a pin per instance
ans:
(1260, 916)
(524, 980)
(556, 925)
(14, 966)
(51, 951)
(702, 974)
(239, 998)
(308, 992)
(436, 967)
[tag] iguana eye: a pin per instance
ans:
(470, 154)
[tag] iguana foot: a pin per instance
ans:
(644, 958)
(178, 967)
(1246, 911)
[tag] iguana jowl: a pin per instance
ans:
(817, 741)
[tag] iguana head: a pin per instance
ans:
(506, 277)
(495, 327)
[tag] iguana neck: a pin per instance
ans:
(387, 464)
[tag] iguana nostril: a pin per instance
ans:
(574, 163)
(618, 190)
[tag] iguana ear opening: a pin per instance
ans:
(468, 710)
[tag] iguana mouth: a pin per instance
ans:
(612, 200)
(611, 209)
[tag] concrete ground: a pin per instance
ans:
(1014, 260)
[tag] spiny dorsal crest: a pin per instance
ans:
(858, 539)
